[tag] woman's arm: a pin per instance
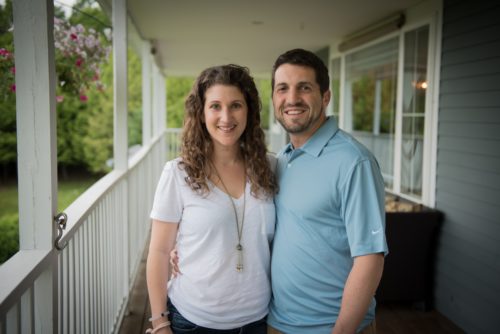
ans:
(163, 235)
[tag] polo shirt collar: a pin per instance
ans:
(319, 139)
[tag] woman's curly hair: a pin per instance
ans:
(197, 145)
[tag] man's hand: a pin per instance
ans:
(174, 262)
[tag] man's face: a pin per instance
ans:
(298, 104)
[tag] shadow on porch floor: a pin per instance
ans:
(393, 318)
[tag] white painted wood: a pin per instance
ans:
(37, 156)
(377, 107)
(435, 74)
(26, 316)
(156, 101)
(36, 126)
(120, 134)
(162, 104)
(342, 98)
(398, 140)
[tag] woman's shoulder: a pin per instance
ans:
(174, 166)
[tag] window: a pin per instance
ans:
(370, 101)
(385, 105)
(335, 87)
(413, 117)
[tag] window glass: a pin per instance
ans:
(414, 101)
(335, 86)
(370, 101)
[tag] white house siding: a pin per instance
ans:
(468, 166)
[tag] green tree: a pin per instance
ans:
(177, 90)
(98, 139)
(89, 16)
(84, 120)
(8, 139)
(264, 88)
(134, 83)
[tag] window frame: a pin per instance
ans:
(433, 21)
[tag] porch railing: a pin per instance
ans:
(106, 233)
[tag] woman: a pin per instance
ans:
(215, 202)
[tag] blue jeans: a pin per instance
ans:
(181, 325)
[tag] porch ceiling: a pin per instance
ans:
(190, 35)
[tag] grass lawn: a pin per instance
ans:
(68, 191)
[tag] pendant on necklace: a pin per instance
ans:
(239, 265)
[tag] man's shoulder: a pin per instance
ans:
(344, 145)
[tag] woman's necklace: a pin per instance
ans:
(239, 227)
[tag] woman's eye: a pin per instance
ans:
(215, 106)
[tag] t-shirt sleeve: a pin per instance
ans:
(364, 209)
(167, 203)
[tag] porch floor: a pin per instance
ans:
(392, 318)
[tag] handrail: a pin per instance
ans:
(26, 265)
(106, 231)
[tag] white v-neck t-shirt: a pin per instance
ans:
(210, 292)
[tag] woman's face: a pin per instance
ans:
(225, 112)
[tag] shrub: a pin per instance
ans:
(9, 236)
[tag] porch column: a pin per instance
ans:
(159, 102)
(120, 138)
(36, 147)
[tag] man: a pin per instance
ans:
(329, 246)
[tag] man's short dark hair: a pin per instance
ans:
(305, 58)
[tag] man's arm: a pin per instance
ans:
(359, 289)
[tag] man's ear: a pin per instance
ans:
(326, 98)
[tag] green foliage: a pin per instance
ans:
(68, 191)
(8, 139)
(177, 90)
(134, 82)
(98, 140)
(9, 236)
(363, 94)
(6, 18)
(264, 88)
(86, 14)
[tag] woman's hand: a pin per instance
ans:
(174, 262)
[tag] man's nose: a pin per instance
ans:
(293, 96)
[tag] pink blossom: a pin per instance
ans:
(13, 88)
(83, 98)
(79, 62)
(73, 36)
(4, 52)
(13, 70)
(59, 98)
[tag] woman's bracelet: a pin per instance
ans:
(157, 328)
(156, 317)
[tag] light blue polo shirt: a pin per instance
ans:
(330, 208)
